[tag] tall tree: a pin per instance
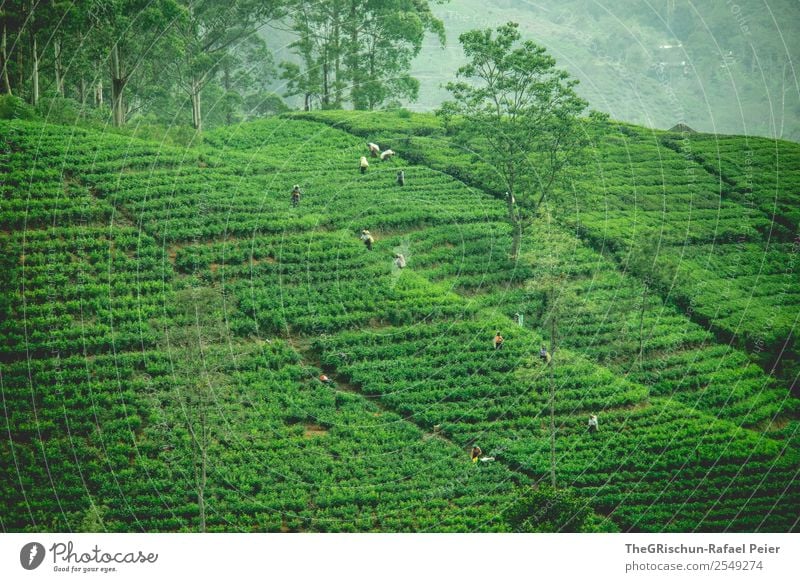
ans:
(320, 44)
(391, 35)
(8, 13)
(367, 45)
(211, 31)
(556, 302)
(519, 113)
(135, 31)
(245, 76)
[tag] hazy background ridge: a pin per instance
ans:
(716, 65)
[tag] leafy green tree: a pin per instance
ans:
(30, 23)
(319, 27)
(135, 33)
(367, 45)
(212, 31)
(518, 113)
(391, 35)
(7, 14)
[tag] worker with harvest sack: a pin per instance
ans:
(593, 423)
(367, 238)
(296, 195)
(498, 341)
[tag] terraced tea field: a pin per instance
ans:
(168, 312)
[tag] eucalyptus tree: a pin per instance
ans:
(211, 32)
(356, 50)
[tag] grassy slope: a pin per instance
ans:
(224, 230)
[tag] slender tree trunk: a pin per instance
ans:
(355, 75)
(307, 102)
(516, 240)
(552, 394)
(4, 56)
(58, 68)
(326, 101)
(226, 82)
(34, 69)
(117, 87)
(337, 52)
(516, 225)
(203, 478)
(641, 326)
(197, 117)
(371, 79)
(82, 91)
(98, 93)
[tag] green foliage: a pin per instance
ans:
(544, 509)
(154, 281)
(12, 107)
(366, 47)
(515, 110)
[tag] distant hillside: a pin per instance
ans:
(727, 69)
(717, 66)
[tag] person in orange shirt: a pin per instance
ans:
(498, 341)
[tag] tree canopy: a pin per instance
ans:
(357, 51)
(517, 112)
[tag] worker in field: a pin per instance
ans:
(363, 165)
(545, 355)
(374, 150)
(386, 155)
(498, 341)
(593, 423)
(296, 195)
(400, 261)
(367, 238)
(401, 178)
(324, 379)
(476, 453)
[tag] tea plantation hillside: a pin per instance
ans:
(710, 221)
(167, 314)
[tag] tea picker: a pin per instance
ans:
(593, 423)
(498, 341)
(401, 178)
(386, 155)
(367, 238)
(544, 355)
(477, 455)
(374, 149)
(296, 195)
(363, 165)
